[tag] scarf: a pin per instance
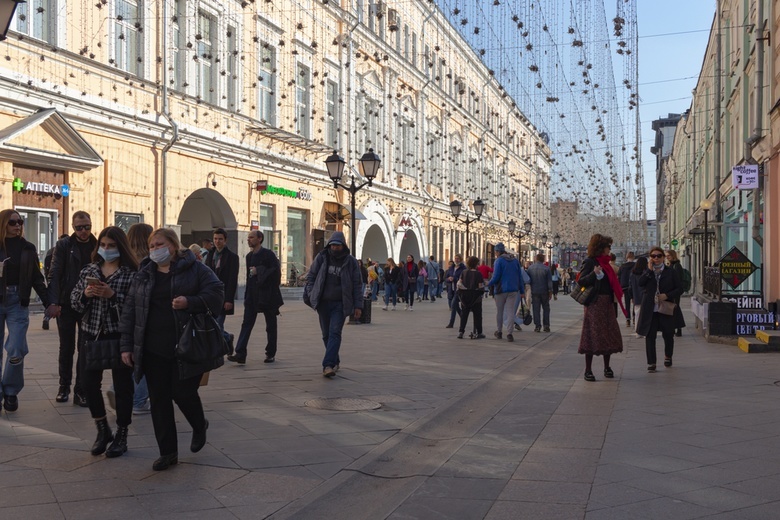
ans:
(603, 261)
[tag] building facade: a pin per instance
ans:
(176, 113)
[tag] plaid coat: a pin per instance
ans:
(101, 314)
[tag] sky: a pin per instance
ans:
(673, 37)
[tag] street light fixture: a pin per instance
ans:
(527, 225)
(369, 167)
(706, 206)
(7, 9)
(556, 242)
(479, 208)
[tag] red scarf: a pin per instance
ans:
(603, 261)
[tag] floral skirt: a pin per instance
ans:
(600, 329)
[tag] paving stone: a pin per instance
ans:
(547, 492)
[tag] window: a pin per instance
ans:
(414, 49)
(372, 14)
(36, 19)
(333, 121)
(360, 7)
(179, 63)
(128, 38)
(406, 42)
(207, 47)
(267, 85)
(303, 101)
(125, 220)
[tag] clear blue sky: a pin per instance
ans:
(673, 37)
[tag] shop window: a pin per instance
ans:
(125, 220)
(296, 239)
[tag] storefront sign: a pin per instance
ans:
(301, 194)
(749, 321)
(41, 187)
(745, 176)
(745, 301)
(735, 267)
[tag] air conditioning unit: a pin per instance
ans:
(392, 20)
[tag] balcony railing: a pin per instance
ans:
(713, 283)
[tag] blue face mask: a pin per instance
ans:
(109, 255)
(160, 256)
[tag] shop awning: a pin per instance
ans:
(348, 212)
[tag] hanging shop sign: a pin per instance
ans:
(745, 176)
(62, 190)
(735, 267)
(301, 194)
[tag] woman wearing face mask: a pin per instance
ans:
(660, 283)
(166, 290)
(100, 294)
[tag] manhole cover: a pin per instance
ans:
(344, 404)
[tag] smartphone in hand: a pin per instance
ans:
(91, 280)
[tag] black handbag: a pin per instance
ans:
(584, 295)
(527, 316)
(102, 353)
(201, 340)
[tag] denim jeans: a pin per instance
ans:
(391, 291)
(420, 285)
(506, 309)
(332, 319)
(454, 308)
(433, 289)
(17, 319)
(374, 291)
(141, 393)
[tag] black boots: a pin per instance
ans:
(119, 446)
(104, 436)
(62, 394)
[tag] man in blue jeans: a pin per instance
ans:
(541, 292)
(432, 268)
(333, 289)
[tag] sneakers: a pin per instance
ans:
(269, 359)
(547, 329)
(406, 308)
(328, 372)
(384, 308)
(143, 409)
(651, 368)
(498, 334)
(393, 308)
(411, 309)
(510, 338)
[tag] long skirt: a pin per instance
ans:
(600, 330)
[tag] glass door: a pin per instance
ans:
(39, 229)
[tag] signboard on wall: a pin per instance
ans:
(745, 176)
(735, 267)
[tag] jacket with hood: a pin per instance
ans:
(189, 278)
(351, 280)
(507, 275)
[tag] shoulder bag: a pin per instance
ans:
(202, 339)
(102, 352)
(584, 295)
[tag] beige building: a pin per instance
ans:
(170, 113)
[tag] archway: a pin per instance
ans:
(409, 244)
(375, 246)
(203, 211)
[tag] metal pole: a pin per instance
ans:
(706, 242)
(467, 238)
(353, 236)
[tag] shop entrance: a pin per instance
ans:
(40, 228)
(204, 211)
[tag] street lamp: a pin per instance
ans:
(706, 206)
(479, 207)
(527, 225)
(369, 167)
(7, 8)
(556, 243)
(576, 249)
(545, 244)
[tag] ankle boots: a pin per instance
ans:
(104, 437)
(119, 446)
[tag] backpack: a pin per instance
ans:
(686, 280)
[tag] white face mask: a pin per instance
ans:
(160, 256)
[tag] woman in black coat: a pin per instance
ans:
(674, 263)
(660, 283)
(408, 277)
(167, 289)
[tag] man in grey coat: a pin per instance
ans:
(334, 289)
(541, 292)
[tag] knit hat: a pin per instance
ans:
(500, 247)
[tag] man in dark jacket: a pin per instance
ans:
(263, 276)
(333, 289)
(224, 263)
(70, 255)
(624, 276)
(453, 280)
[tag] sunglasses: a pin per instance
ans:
(85, 227)
(19, 222)
(656, 256)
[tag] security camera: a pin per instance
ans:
(214, 182)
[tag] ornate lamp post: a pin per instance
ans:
(7, 9)
(369, 166)
(563, 252)
(527, 225)
(479, 207)
(556, 242)
(706, 206)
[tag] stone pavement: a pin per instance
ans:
(466, 430)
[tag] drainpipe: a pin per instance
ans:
(166, 114)
(756, 136)
(718, 145)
